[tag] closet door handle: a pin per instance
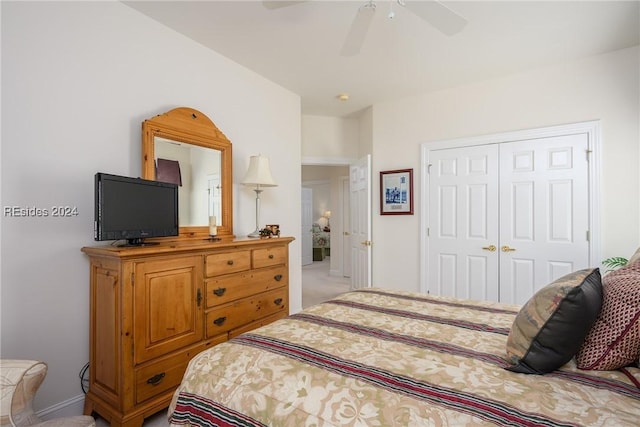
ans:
(490, 248)
(507, 249)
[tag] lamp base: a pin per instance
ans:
(254, 234)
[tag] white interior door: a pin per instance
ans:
(360, 224)
(544, 219)
(346, 228)
(306, 231)
(463, 208)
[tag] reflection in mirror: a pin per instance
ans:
(199, 176)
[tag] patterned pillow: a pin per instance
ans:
(551, 326)
(614, 339)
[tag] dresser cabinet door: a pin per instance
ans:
(168, 305)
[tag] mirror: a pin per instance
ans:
(184, 146)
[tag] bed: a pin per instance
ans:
(378, 357)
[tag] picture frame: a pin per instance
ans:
(396, 192)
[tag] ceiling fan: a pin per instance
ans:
(435, 13)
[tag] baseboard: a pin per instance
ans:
(67, 408)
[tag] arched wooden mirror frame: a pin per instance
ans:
(190, 126)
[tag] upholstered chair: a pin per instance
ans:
(19, 382)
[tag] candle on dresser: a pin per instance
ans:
(213, 228)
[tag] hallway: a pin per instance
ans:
(318, 285)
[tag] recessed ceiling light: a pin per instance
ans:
(343, 97)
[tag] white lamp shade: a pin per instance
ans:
(259, 173)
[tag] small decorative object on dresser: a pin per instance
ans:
(275, 229)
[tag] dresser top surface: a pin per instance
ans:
(183, 246)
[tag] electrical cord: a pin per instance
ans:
(84, 382)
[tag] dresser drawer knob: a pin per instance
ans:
(278, 277)
(156, 379)
(219, 292)
(230, 262)
(277, 301)
(270, 256)
(219, 321)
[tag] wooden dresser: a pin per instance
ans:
(154, 307)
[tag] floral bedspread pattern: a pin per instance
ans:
(390, 358)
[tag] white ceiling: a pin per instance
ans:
(298, 46)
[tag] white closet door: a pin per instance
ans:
(463, 211)
(544, 215)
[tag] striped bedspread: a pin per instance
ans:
(388, 358)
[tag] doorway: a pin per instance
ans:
(330, 263)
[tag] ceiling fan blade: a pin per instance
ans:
(438, 15)
(272, 4)
(358, 30)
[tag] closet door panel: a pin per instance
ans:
(543, 213)
(463, 216)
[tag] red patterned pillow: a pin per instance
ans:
(614, 339)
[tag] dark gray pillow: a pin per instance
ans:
(551, 326)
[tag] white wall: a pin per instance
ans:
(78, 78)
(329, 140)
(604, 87)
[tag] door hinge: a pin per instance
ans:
(589, 154)
(429, 168)
(588, 236)
(428, 231)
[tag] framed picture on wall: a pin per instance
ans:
(396, 192)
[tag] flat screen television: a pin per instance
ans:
(133, 209)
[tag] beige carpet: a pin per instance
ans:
(319, 286)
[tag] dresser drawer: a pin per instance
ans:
(224, 289)
(266, 257)
(227, 262)
(233, 315)
(165, 374)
